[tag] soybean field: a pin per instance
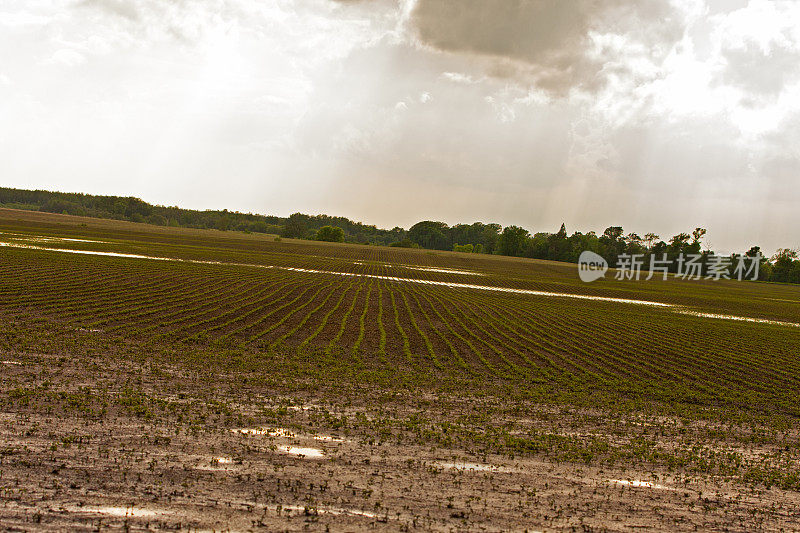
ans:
(501, 357)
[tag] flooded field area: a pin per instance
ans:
(187, 380)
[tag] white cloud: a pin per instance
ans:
(20, 19)
(67, 58)
(458, 77)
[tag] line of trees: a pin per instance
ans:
(135, 210)
(614, 246)
(301, 226)
(478, 237)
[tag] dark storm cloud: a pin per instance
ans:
(547, 41)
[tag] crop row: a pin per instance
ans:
(401, 322)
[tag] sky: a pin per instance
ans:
(659, 116)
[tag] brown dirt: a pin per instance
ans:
(81, 457)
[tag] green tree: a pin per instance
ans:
(612, 244)
(513, 241)
(634, 244)
(557, 246)
(295, 227)
(650, 239)
(489, 235)
(753, 251)
(697, 235)
(330, 234)
(430, 234)
(679, 243)
(783, 263)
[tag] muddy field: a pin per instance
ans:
(164, 379)
(144, 447)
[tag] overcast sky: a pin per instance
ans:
(654, 115)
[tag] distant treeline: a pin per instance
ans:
(136, 210)
(612, 244)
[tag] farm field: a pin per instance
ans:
(172, 378)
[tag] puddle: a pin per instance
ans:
(637, 483)
(305, 453)
(353, 512)
(272, 432)
(137, 512)
(121, 512)
(445, 271)
(286, 433)
(336, 511)
(251, 431)
(42, 238)
(216, 464)
(441, 270)
(475, 467)
(87, 252)
(302, 407)
(54, 239)
(328, 438)
(89, 330)
(16, 363)
(738, 318)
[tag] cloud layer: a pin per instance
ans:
(528, 112)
